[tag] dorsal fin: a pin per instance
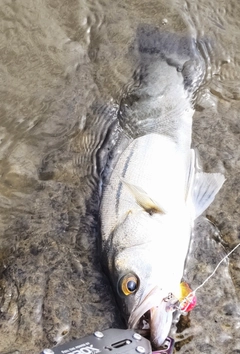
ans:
(143, 199)
(206, 186)
(202, 187)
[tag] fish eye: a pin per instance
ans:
(129, 284)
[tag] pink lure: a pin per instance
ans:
(187, 298)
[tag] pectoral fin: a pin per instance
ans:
(143, 199)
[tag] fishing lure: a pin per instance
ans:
(187, 300)
(187, 297)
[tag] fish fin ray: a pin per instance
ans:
(191, 173)
(205, 188)
(143, 199)
(202, 187)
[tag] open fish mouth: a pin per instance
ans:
(152, 318)
(143, 325)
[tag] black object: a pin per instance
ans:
(111, 341)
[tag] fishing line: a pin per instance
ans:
(209, 277)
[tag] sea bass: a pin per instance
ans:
(155, 190)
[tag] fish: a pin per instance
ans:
(156, 189)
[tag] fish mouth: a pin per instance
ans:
(153, 317)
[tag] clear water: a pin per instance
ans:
(64, 68)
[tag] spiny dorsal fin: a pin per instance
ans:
(143, 199)
(205, 188)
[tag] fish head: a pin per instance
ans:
(144, 274)
(144, 301)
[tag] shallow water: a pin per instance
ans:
(64, 68)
